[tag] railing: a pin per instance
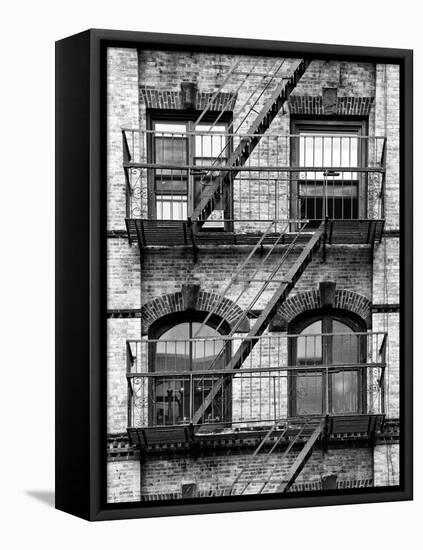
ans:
(313, 176)
(285, 375)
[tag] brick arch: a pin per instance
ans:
(154, 98)
(191, 297)
(314, 299)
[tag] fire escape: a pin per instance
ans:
(177, 407)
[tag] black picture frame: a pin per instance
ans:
(81, 274)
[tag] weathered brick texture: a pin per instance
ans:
(386, 465)
(123, 483)
(166, 271)
(345, 106)
(166, 475)
(301, 302)
(122, 111)
(152, 286)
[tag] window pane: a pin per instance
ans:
(338, 151)
(167, 128)
(172, 183)
(338, 189)
(309, 345)
(337, 201)
(171, 400)
(174, 208)
(345, 344)
(345, 392)
(172, 351)
(209, 145)
(309, 396)
(171, 150)
(207, 347)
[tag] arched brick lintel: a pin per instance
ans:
(191, 297)
(346, 300)
(154, 98)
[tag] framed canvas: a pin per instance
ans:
(234, 274)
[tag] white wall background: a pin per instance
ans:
(28, 32)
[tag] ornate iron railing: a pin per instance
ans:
(285, 375)
(312, 176)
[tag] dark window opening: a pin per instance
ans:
(329, 348)
(185, 351)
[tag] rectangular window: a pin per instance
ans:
(175, 192)
(170, 184)
(326, 188)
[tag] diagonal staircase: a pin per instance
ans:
(244, 149)
(258, 476)
(262, 322)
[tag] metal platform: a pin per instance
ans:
(362, 427)
(150, 233)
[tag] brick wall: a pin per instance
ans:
(386, 465)
(118, 331)
(361, 88)
(123, 481)
(165, 271)
(387, 124)
(351, 79)
(122, 111)
(123, 275)
(211, 473)
(389, 322)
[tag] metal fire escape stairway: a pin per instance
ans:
(165, 232)
(255, 478)
(244, 149)
(262, 322)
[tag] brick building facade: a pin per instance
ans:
(219, 198)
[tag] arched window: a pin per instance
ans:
(187, 352)
(329, 347)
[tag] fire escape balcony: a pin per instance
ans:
(172, 178)
(335, 378)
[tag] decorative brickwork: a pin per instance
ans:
(124, 314)
(311, 300)
(119, 448)
(193, 298)
(154, 98)
(296, 488)
(345, 106)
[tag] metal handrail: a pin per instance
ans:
(255, 394)
(265, 134)
(264, 336)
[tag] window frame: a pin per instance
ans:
(175, 116)
(161, 326)
(328, 125)
(327, 317)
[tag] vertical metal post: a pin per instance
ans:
(191, 400)
(325, 236)
(274, 398)
(325, 195)
(190, 176)
(327, 391)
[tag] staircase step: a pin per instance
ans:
(259, 127)
(263, 321)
